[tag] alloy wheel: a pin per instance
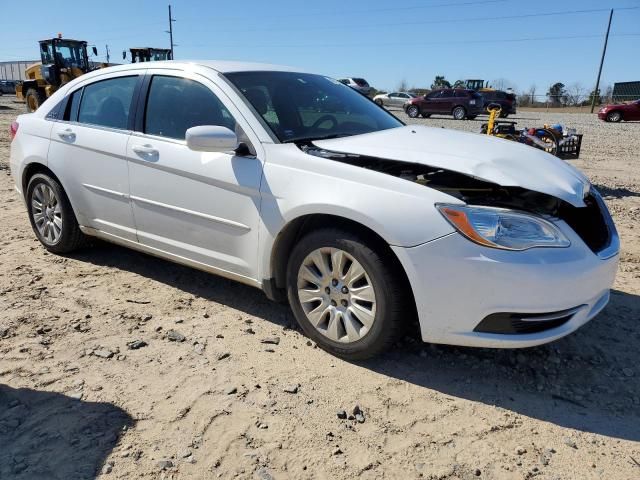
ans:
(336, 295)
(47, 213)
(615, 116)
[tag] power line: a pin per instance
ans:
(409, 44)
(426, 22)
(306, 13)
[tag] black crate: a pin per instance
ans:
(570, 149)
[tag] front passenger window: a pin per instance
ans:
(107, 103)
(176, 104)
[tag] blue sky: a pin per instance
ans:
(382, 41)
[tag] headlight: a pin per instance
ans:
(502, 228)
(472, 102)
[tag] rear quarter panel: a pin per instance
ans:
(31, 145)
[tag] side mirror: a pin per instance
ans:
(211, 138)
(95, 51)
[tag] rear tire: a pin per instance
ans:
(34, 98)
(614, 116)
(51, 215)
(362, 328)
(459, 113)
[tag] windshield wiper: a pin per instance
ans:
(320, 137)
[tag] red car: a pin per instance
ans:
(620, 111)
(459, 102)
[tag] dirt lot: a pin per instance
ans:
(76, 401)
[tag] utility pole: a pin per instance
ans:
(604, 51)
(107, 49)
(170, 32)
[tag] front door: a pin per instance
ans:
(88, 147)
(634, 111)
(432, 102)
(202, 206)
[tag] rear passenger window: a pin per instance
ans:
(176, 104)
(108, 102)
(71, 112)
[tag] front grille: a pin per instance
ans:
(510, 323)
(588, 222)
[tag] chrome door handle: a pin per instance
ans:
(67, 134)
(146, 150)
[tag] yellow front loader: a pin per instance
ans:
(62, 61)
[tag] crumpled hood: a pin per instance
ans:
(495, 160)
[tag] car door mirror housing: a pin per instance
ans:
(211, 138)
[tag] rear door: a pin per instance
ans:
(88, 148)
(200, 206)
(401, 99)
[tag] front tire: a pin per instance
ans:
(379, 103)
(614, 116)
(51, 215)
(345, 295)
(413, 111)
(459, 113)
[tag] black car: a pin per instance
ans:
(507, 101)
(7, 86)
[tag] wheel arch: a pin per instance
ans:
(27, 84)
(616, 110)
(34, 168)
(275, 286)
(31, 169)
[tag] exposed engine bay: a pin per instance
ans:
(588, 222)
(464, 187)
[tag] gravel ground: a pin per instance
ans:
(114, 364)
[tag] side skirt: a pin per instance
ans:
(169, 256)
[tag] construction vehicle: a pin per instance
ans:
(477, 85)
(148, 54)
(62, 60)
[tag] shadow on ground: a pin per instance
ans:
(46, 435)
(616, 192)
(588, 381)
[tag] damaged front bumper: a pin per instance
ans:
(458, 284)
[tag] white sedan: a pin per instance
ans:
(296, 184)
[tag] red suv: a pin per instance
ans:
(459, 102)
(621, 111)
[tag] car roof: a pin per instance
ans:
(222, 66)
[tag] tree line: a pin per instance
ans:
(558, 94)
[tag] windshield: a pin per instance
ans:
(67, 54)
(301, 106)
